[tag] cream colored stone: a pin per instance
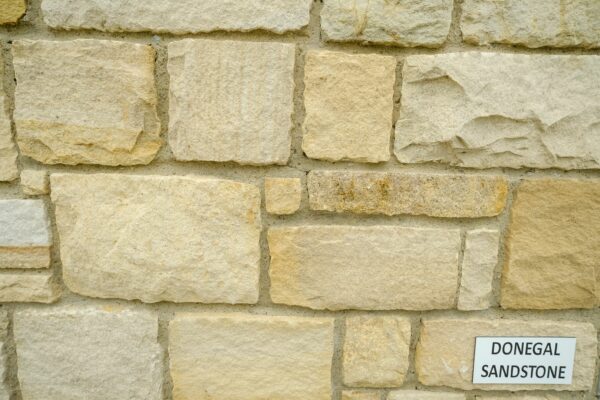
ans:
(360, 395)
(513, 396)
(158, 238)
(178, 16)
(86, 102)
(400, 23)
(246, 357)
(283, 195)
(30, 287)
(391, 193)
(34, 182)
(88, 353)
(364, 267)
(376, 351)
(532, 23)
(11, 11)
(484, 110)
(424, 395)
(349, 100)
(552, 246)
(231, 101)
(8, 151)
(446, 346)
(477, 273)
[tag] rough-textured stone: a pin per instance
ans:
(31, 287)
(477, 273)
(8, 151)
(245, 357)
(424, 395)
(155, 238)
(483, 110)
(389, 193)
(5, 387)
(231, 101)
(556, 23)
(86, 102)
(88, 353)
(370, 267)
(349, 100)
(446, 346)
(400, 23)
(178, 16)
(11, 11)
(513, 396)
(553, 246)
(34, 182)
(376, 351)
(360, 395)
(25, 236)
(283, 195)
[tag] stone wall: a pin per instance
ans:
(294, 199)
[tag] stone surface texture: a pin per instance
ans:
(88, 353)
(5, 386)
(158, 238)
(424, 395)
(244, 357)
(8, 151)
(371, 267)
(283, 195)
(393, 193)
(376, 351)
(231, 101)
(32, 287)
(11, 11)
(349, 100)
(484, 110)
(552, 246)
(518, 397)
(34, 182)
(86, 102)
(445, 350)
(360, 395)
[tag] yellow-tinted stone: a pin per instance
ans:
(360, 395)
(283, 195)
(34, 182)
(11, 11)
(8, 151)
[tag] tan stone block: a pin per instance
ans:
(424, 395)
(376, 351)
(349, 100)
(158, 238)
(231, 101)
(8, 151)
(513, 396)
(30, 287)
(283, 195)
(86, 102)
(34, 182)
(552, 246)
(446, 346)
(11, 11)
(391, 193)
(246, 357)
(360, 395)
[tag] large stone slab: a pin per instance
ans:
(399, 23)
(8, 151)
(231, 101)
(553, 246)
(445, 350)
(88, 353)
(11, 11)
(86, 102)
(29, 287)
(391, 193)
(531, 23)
(484, 110)
(245, 357)
(369, 268)
(158, 238)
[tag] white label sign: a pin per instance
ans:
(524, 360)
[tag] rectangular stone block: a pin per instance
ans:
(486, 110)
(246, 357)
(11, 11)
(34, 182)
(407, 23)
(517, 397)
(368, 267)
(231, 101)
(88, 353)
(178, 16)
(30, 287)
(158, 238)
(531, 23)
(360, 395)
(283, 195)
(8, 151)
(424, 395)
(86, 102)
(391, 193)
(445, 350)
(25, 237)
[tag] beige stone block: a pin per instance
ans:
(364, 267)
(28, 287)
(349, 100)
(11, 11)
(519, 397)
(86, 102)
(34, 182)
(393, 193)
(446, 346)
(8, 151)
(360, 395)
(158, 238)
(246, 357)
(283, 195)
(424, 395)
(552, 246)
(376, 351)
(231, 101)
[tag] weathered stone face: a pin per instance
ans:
(8, 150)
(10, 12)
(360, 395)
(369, 268)
(244, 357)
(34, 182)
(484, 110)
(86, 102)
(158, 238)
(5, 386)
(32, 287)
(231, 101)
(553, 251)
(424, 395)
(283, 195)
(518, 397)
